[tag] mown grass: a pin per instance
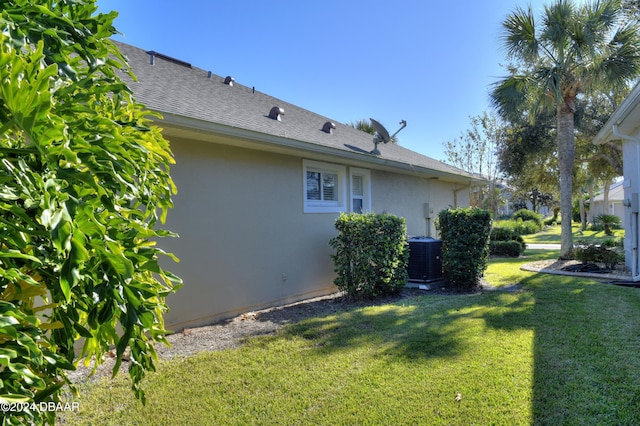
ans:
(551, 235)
(561, 350)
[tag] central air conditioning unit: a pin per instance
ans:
(425, 259)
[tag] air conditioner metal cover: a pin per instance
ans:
(425, 259)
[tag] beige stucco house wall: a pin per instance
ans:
(254, 229)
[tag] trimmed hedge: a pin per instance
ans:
(465, 245)
(372, 254)
(505, 248)
(505, 242)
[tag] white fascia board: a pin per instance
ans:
(630, 104)
(271, 143)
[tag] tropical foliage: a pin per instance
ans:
(84, 183)
(570, 51)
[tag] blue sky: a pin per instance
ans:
(428, 62)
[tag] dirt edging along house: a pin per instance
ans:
(260, 184)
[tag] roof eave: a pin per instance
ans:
(630, 106)
(177, 125)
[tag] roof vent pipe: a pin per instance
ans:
(152, 57)
(276, 113)
(209, 74)
(328, 127)
(229, 80)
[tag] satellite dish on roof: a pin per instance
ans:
(382, 135)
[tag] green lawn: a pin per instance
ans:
(551, 235)
(562, 350)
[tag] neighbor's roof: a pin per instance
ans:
(616, 193)
(189, 96)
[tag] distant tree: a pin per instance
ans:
(84, 184)
(475, 151)
(572, 50)
(364, 125)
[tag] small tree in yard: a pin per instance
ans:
(84, 180)
(465, 245)
(608, 221)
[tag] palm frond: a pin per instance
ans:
(555, 33)
(520, 35)
(621, 58)
(508, 96)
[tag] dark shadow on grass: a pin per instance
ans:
(585, 348)
(586, 341)
(396, 331)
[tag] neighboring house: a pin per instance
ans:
(260, 184)
(615, 202)
(624, 126)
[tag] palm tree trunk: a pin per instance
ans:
(566, 158)
(583, 214)
(591, 204)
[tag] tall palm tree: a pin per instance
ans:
(570, 51)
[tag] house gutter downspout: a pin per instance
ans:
(635, 214)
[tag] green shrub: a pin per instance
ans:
(505, 242)
(501, 234)
(372, 254)
(505, 248)
(528, 215)
(608, 222)
(599, 254)
(520, 227)
(465, 245)
(613, 242)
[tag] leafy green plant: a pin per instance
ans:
(600, 254)
(465, 245)
(529, 215)
(505, 248)
(519, 227)
(371, 254)
(613, 242)
(505, 242)
(607, 221)
(84, 182)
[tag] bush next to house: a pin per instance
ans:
(599, 254)
(465, 245)
(371, 254)
(505, 242)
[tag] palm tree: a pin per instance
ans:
(365, 125)
(570, 51)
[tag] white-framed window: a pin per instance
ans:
(325, 187)
(360, 184)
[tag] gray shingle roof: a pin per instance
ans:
(182, 90)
